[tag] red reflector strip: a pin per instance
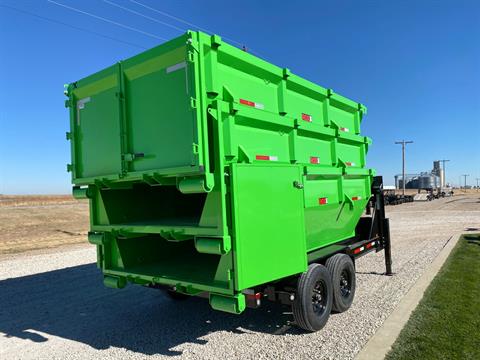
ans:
(266, 157)
(314, 160)
(369, 245)
(246, 102)
(252, 104)
(306, 117)
(348, 163)
(344, 129)
(355, 198)
(323, 201)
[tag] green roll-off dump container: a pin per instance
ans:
(211, 171)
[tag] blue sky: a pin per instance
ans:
(415, 64)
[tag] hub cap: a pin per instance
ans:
(319, 297)
(345, 284)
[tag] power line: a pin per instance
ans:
(144, 16)
(107, 20)
(183, 21)
(72, 26)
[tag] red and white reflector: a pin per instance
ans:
(349, 163)
(307, 117)
(314, 160)
(252, 104)
(255, 296)
(323, 201)
(344, 129)
(360, 249)
(369, 245)
(266, 157)
(355, 198)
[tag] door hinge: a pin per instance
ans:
(193, 103)
(195, 148)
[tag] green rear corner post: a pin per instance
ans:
(232, 304)
(210, 170)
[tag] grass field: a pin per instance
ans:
(446, 323)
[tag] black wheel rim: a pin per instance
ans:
(319, 297)
(345, 284)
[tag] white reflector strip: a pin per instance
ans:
(345, 129)
(176, 67)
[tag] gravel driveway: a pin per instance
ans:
(53, 304)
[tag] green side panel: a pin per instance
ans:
(140, 116)
(314, 144)
(161, 120)
(272, 116)
(269, 241)
(333, 205)
(97, 126)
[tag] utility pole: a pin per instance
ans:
(444, 172)
(465, 182)
(403, 142)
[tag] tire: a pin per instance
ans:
(313, 301)
(174, 295)
(342, 270)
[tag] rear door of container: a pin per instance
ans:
(140, 115)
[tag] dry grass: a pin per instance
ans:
(41, 221)
(30, 200)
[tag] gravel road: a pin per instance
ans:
(53, 304)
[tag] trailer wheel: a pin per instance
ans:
(313, 301)
(342, 271)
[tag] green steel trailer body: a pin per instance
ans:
(211, 171)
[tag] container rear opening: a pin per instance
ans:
(155, 255)
(151, 205)
(151, 255)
